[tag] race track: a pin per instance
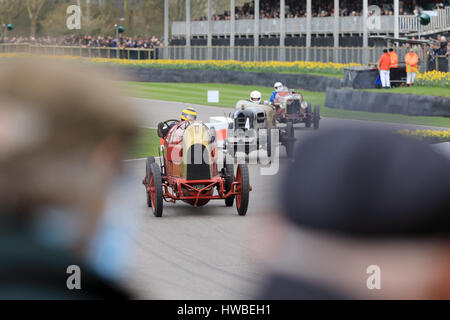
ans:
(203, 253)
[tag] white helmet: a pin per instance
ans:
(278, 86)
(255, 97)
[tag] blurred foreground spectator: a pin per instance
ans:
(61, 145)
(360, 210)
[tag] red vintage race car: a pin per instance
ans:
(291, 107)
(188, 170)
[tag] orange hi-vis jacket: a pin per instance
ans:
(411, 60)
(394, 59)
(385, 62)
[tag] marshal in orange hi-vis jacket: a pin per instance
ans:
(394, 58)
(385, 62)
(411, 60)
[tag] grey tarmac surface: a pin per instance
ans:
(204, 253)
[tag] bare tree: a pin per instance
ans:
(34, 7)
(126, 10)
(150, 18)
(88, 10)
(9, 10)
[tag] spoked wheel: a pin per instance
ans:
(316, 117)
(308, 120)
(290, 139)
(155, 190)
(243, 189)
(229, 179)
(150, 160)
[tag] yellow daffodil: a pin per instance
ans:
(432, 136)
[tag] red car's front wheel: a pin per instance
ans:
(243, 189)
(155, 190)
(150, 160)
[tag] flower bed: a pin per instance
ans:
(430, 136)
(433, 79)
(268, 66)
(427, 79)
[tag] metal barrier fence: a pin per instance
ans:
(442, 63)
(269, 53)
(316, 54)
(14, 48)
(90, 52)
(381, 24)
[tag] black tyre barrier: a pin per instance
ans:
(267, 79)
(385, 102)
(360, 78)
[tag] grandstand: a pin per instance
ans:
(301, 26)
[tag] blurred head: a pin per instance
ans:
(189, 114)
(391, 50)
(63, 134)
(385, 51)
(255, 97)
(353, 199)
(277, 86)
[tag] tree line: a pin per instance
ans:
(139, 17)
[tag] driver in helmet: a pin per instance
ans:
(255, 97)
(188, 114)
(277, 86)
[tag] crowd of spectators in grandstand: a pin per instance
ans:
(270, 9)
(89, 41)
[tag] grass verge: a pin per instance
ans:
(196, 93)
(146, 144)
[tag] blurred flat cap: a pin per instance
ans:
(51, 106)
(53, 118)
(368, 183)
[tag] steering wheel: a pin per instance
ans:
(168, 122)
(164, 126)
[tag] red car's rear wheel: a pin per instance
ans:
(155, 190)
(243, 189)
(229, 179)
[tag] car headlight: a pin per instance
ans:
(304, 105)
